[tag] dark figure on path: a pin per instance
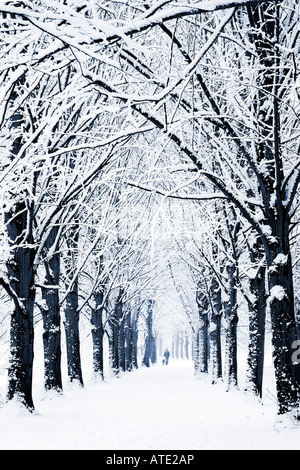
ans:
(166, 355)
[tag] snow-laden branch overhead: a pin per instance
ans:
(53, 18)
(175, 195)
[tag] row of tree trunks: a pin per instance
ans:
(123, 337)
(180, 345)
(265, 35)
(124, 328)
(272, 286)
(208, 338)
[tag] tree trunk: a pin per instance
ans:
(153, 356)
(202, 334)
(98, 335)
(195, 351)
(186, 346)
(181, 346)
(20, 272)
(21, 275)
(257, 318)
(134, 339)
(71, 311)
(284, 329)
(176, 345)
(215, 331)
(128, 341)
(51, 316)
(72, 335)
(121, 340)
(149, 335)
(115, 335)
(231, 319)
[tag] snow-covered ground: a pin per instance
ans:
(160, 408)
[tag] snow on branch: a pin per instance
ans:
(106, 31)
(102, 142)
(172, 194)
(190, 68)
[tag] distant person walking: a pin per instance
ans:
(166, 356)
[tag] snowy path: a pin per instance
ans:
(164, 408)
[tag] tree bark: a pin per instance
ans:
(98, 335)
(51, 315)
(72, 335)
(71, 322)
(257, 319)
(284, 330)
(202, 338)
(128, 341)
(186, 346)
(149, 335)
(21, 275)
(115, 335)
(215, 331)
(134, 338)
(231, 318)
(121, 339)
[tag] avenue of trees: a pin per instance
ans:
(147, 149)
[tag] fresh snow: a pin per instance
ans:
(281, 259)
(160, 408)
(277, 293)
